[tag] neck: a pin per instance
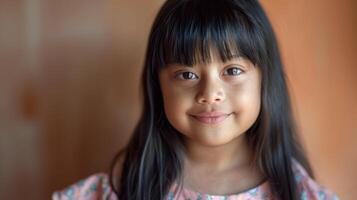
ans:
(234, 154)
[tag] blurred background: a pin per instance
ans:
(69, 87)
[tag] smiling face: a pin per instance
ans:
(212, 103)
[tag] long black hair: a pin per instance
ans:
(185, 32)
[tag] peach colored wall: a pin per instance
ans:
(69, 95)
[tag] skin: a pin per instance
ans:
(217, 154)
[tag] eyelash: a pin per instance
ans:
(190, 73)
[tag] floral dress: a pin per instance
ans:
(96, 187)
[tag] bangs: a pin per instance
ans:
(194, 31)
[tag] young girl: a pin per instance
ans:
(217, 121)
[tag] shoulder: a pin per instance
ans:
(308, 188)
(91, 188)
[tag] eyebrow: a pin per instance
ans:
(230, 58)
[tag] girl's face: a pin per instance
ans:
(214, 103)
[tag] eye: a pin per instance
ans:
(186, 76)
(234, 71)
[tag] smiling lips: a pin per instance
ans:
(211, 117)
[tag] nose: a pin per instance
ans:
(211, 92)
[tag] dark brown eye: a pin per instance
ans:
(233, 71)
(187, 76)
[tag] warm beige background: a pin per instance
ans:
(69, 97)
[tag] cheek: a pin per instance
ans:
(247, 102)
(173, 105)
(176, 107)
(176, 103)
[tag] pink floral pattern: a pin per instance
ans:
(96, 187)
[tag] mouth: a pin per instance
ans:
(213, 119)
